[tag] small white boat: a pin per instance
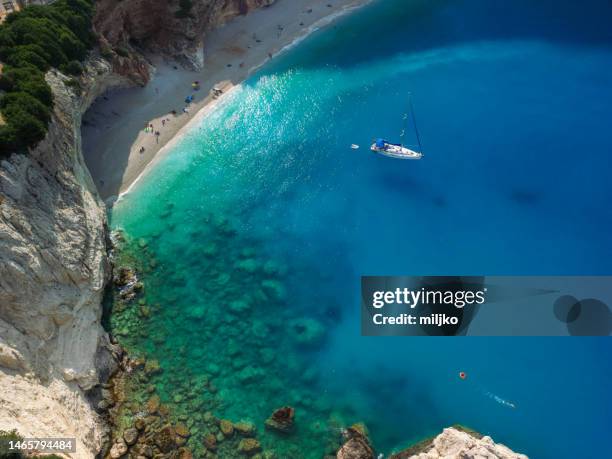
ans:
(354, 146)
(398, 150)
(394, 150)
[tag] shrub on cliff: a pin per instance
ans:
(72, 68)
(27, 80)
(32, 41)
(26, 117)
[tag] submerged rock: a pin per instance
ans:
(274, 289)
(197, 312)
(282, 420)
(249, 265)
(147, 450)
(213, 369)
(165, 439)
(118, 450)
(185, 453)
(127, 283)
(124, 276)
(246, 429)
(271, 267)
(250, 374)
(357, 445)
(227, 428)
(152, 367)
(139, 423)
(181, 430)
(145, 311)
(355, 449)
(153, 404)
(260, 329)
(223, 279)
(104, 405)
(130, 436)
(249, 446)
(210, 442)
(267, 355)
(210, 249)
(307, 332)
(239, 306)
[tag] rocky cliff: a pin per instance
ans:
(53, 263)
(174, 28)
(53, 270)
(453, 443)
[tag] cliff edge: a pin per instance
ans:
(160, 27)
(455, 442)
(53, 270)
(53, 260)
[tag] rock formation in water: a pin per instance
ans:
(172, 28)
(459, 443)
(455, 442)
(357, 444)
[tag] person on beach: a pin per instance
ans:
(163, 122)
(142, 149)
(157, 134)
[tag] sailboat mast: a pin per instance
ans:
(416, 130)
(403, 129)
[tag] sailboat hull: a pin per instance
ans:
(396, 151)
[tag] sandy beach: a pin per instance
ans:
(116, 147)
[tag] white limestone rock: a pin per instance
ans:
(456, 444)
(53, 269)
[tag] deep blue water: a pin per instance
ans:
(514, 105)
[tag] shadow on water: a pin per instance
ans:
(525, 197)
(434, 24)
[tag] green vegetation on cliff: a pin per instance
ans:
(31, 42)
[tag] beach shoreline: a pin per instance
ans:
(118, 151)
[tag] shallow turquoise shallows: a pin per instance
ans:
(262, 218)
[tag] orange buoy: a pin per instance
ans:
(462, 375)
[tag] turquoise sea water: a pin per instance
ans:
(261, 220)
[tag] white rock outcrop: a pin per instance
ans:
(53, 269)
(456, 444)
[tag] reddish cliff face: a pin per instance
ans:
(173, 27)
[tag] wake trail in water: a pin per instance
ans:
(500, 400)
(482, 391)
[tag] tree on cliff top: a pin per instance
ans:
(32, 41)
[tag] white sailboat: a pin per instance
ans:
(398, 150)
